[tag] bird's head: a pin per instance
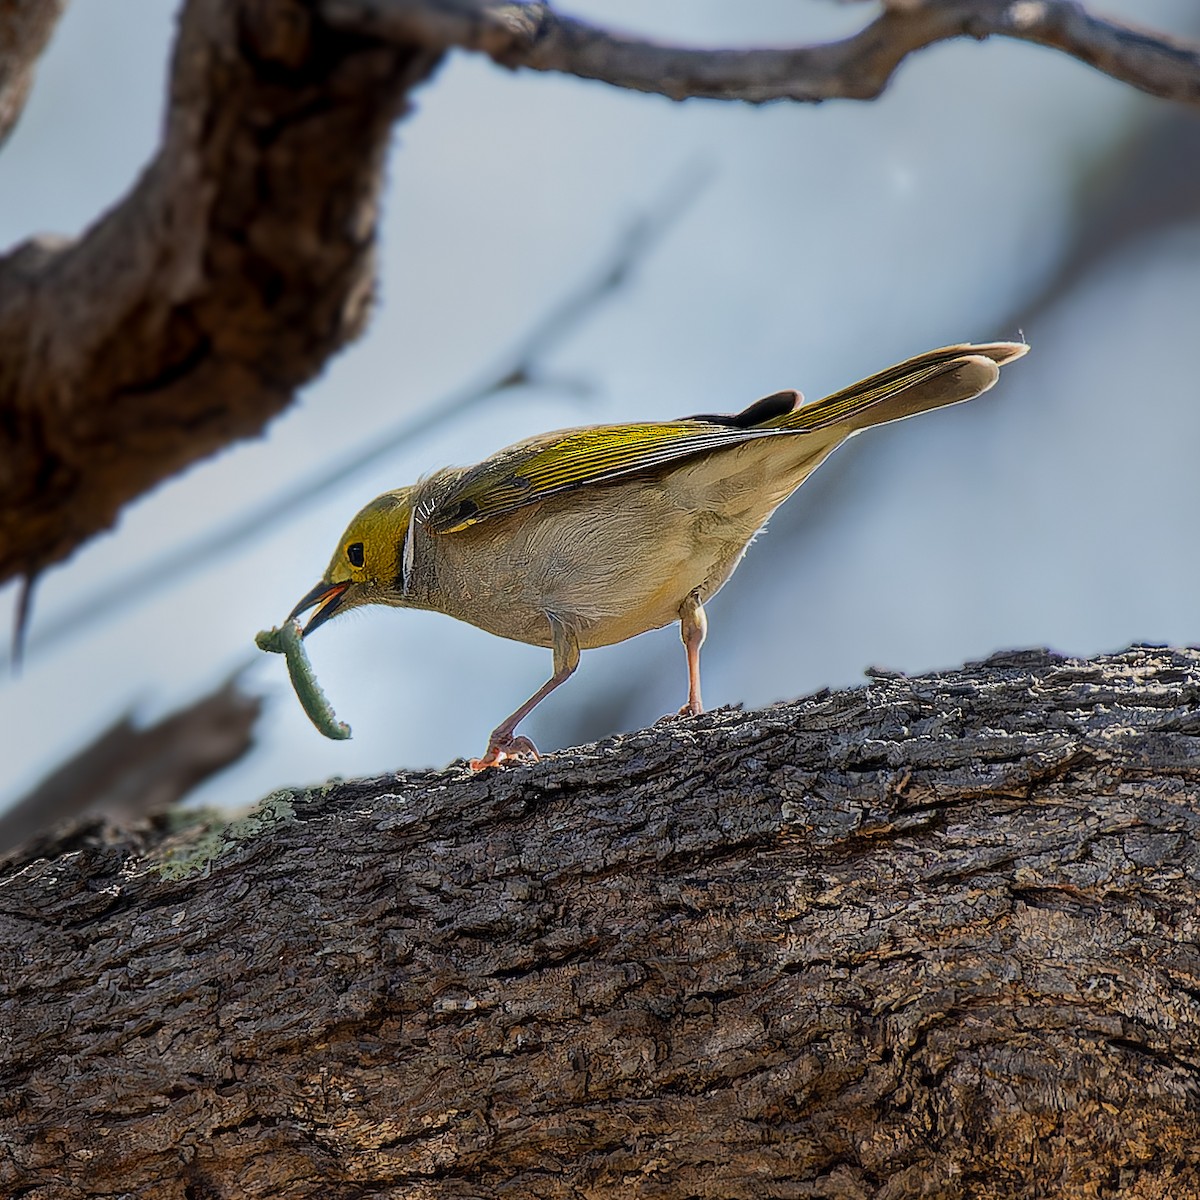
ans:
(369, 565)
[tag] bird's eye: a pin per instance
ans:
(354, 552)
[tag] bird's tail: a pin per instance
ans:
(930, 380)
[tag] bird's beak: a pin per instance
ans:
(328, 596)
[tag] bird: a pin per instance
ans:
(588, 536)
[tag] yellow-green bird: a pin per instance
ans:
(586, 537)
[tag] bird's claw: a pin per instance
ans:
(686, 711)
(502, 750)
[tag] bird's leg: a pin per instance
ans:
(693, 628)
(502, 745)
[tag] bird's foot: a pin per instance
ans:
(688, 710)
(506, 749)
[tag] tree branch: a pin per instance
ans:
(931, 933)
(186, 317)
(539, 38)
(25, 29)
(130, 772)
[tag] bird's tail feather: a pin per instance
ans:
(930, 380)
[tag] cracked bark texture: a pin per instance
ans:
(930, 937)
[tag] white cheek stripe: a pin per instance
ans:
(406, 554)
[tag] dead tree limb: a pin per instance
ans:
(934, 936)
(538, 37)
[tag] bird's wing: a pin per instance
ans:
(577, 458)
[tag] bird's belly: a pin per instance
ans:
(609, 572)
(583, 596)
(645, 612)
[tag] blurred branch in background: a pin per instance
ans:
(128, 772)
(1150, 181)
(25, 29)
(524, 365)
(186, 317)
(539, 38)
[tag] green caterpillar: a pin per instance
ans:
(288, 642)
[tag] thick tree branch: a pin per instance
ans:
(25, 29)
(538, 37)
(186, 317)
(932, 936)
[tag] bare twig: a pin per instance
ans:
(128, 772)
(521, 366)
(25, 29)
(539, 38)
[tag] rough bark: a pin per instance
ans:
(186, 317)
(930, 937)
